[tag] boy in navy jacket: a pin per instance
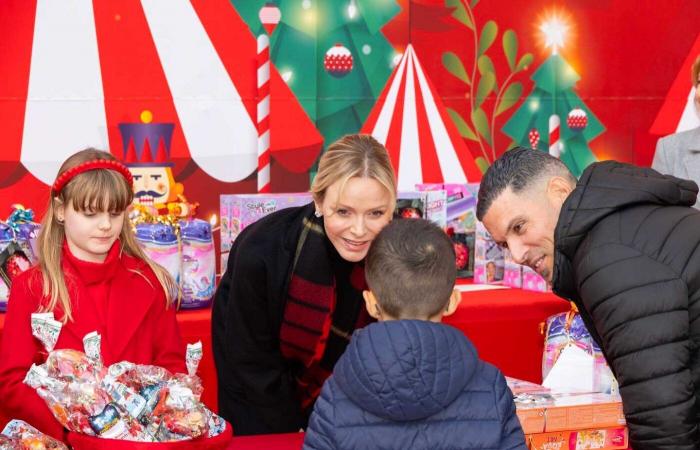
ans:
(409, 381)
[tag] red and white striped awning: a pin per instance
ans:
(678, 113)
(74, 69)
(411, 121)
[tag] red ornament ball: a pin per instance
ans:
(461, 255)
(534, 137)
(577, 119)
(338, 61)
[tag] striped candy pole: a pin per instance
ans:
(554, 142)
(263, 113)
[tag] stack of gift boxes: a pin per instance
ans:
(555, 420)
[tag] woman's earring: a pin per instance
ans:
(318, 213)
(59, 220)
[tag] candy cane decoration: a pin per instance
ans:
(263, 113)
(554, 142)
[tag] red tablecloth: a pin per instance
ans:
(503, 324)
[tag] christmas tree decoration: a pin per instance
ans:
(577, 119)
(338, 61)
(307, 30)
(534, 137)
(554, 95)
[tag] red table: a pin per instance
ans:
(503, 324)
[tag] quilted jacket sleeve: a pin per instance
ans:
(512, 436)
(639, 307)
(319, 434)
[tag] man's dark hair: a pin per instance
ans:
(517, 169)
(411, 269)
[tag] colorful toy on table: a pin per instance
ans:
(19, 435)
(566, 334)
(185, 247)
(489, 261)
(512, 271)
(460, 221)
(124, 401)
(238, 211)
(430, 205)
(18, 250)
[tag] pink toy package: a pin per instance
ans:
(489, 262)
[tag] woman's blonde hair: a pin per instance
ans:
(99, 190)
(354, 155)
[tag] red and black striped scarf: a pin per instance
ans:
(311, 300)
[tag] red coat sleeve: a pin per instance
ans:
(19, 351)
(169, 350)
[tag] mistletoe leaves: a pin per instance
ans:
(481, 122)
(455, 66)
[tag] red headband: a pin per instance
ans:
(96, 164)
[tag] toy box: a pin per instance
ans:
(599, 439)
(540, 413)
(461, 221)
(489, 261)
(512, 271)
(430, 205)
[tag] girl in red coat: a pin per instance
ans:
(94, 277)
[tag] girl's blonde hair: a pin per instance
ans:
(99, 190)
(354, 155)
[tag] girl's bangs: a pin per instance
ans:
(100, 190)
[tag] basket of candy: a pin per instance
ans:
(123, 405)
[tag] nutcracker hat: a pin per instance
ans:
(147, 144)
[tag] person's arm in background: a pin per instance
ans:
(661, 162)
(19, 350)
(257, 392)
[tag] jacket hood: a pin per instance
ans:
(405, 369)
(603, 189)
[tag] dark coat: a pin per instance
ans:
(257, 390)
(627, 253)
(412, 384)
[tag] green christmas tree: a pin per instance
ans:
(553, 95)
(337, 101)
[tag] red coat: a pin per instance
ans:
(121, 299)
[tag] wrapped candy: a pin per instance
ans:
(19, 435)
(46, 329)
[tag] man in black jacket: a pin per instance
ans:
(623, 244)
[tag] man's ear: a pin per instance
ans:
(558, 189)
(372, 305)
(455, 300)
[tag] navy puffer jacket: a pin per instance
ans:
(412, 384)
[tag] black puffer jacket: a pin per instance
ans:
(628, 254)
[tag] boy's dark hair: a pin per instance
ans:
(517, 169)
(411, 269)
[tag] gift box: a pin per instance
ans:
(238, 211)
(599, 439)
(512, 271)
(532, 281)
(540, 413)
(460, 221)
(430, 205)
(18, 248)
(489, 260)
(185, 249)
(84, 442)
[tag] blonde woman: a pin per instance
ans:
(292, 293)
(94, 277)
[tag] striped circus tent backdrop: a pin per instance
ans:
(678, 112)
(74, 69)
(411, 121)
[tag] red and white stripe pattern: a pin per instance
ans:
(554, 141)
(411, 121)
(263, 113)
(678, 112)
(80, 67)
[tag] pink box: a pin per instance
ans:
(240, 210)
(512, 271)
(532, 281)
(489, 261)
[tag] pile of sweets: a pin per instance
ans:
(19, 435)
(124, 401)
